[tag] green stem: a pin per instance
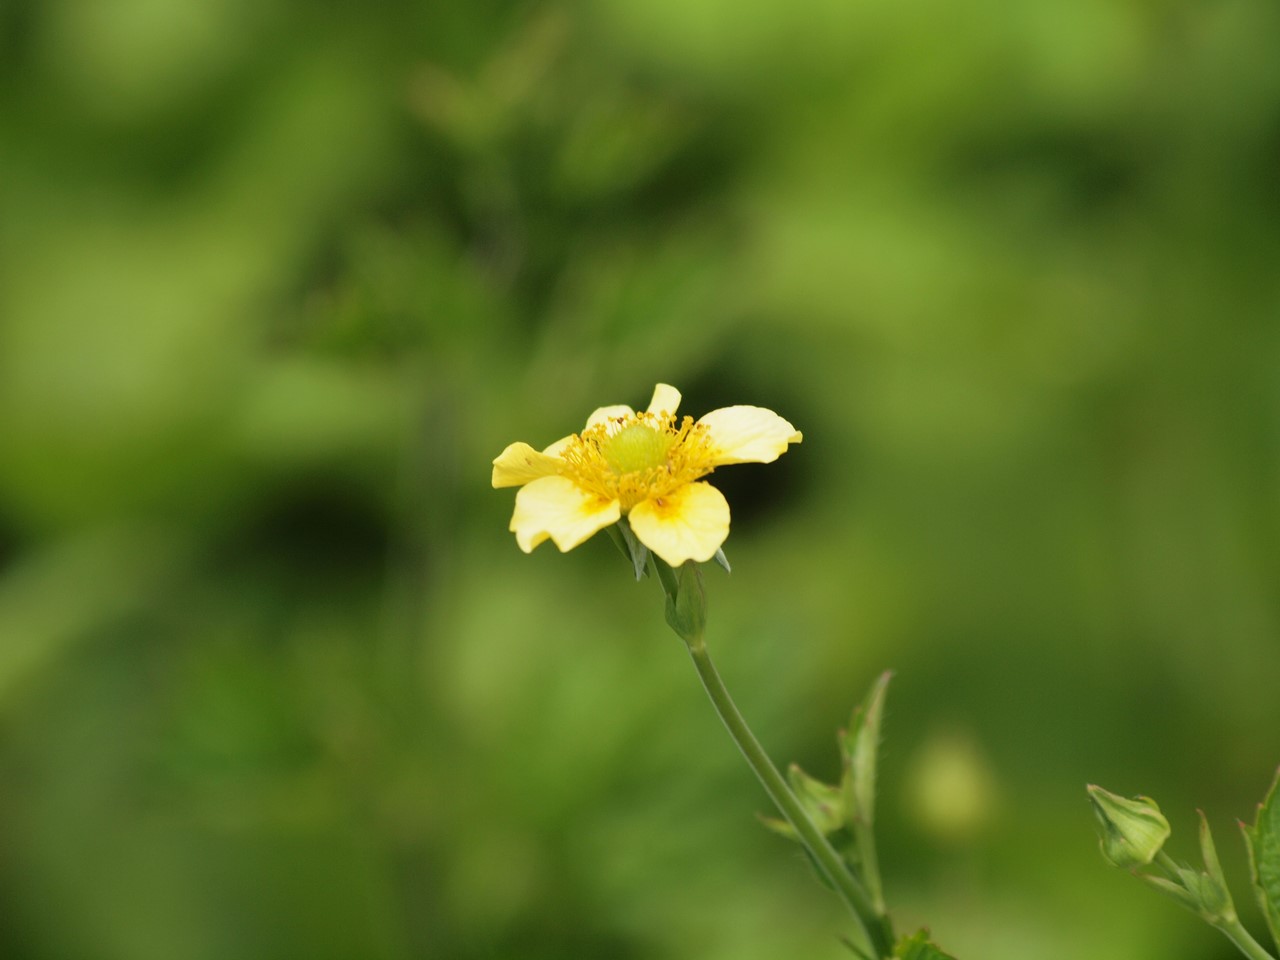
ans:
(875, 924)
(864, 837)
(1232, 929)
(1237, 934)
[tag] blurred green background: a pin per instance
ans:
(278, 280)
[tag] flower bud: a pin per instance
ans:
(1133, 831)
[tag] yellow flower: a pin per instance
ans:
(645, 466)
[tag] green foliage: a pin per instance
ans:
(279, 279)
(1263, 841)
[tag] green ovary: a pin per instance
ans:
(637, 447)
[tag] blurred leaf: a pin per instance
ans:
(1263, 841)
(60, 594)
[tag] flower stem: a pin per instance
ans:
(1231, 928)
(874, 924)
(1237, 934)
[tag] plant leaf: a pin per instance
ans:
(1263, 841)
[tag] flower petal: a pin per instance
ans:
(557, 448)
(558, 508)
(689, 523)
(520, 463)
(666, 399)
(748, 435)
(601, 414)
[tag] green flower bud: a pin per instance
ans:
(1133, 831)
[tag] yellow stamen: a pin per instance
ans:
(639, 457)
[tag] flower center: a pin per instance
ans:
(640, 457)
(636, 447)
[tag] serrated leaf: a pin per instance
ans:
(919, 947)
(1263, 841)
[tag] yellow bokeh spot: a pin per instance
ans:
(951, 788)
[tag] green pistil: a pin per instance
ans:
(637, 447)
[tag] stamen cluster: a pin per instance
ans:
(638, 457)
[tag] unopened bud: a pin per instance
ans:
(1133, 830)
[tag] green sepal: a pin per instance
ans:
(1216, 903)
(824, 805)
(1263, 843)
(1200, 892)
(631, 548)
(1175, 891)
(1209, 852)
(918, 946)
(859, 750)
(859, 747)
(822, 802)
(722, 561)
(687, 609)
(780, 827)
(615, 534)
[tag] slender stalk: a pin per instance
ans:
(864, 837)
(1237, 934)
(874, 924)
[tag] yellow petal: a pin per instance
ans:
(689, 523)
(557, 448)
(520, 463)
(748, 435)
(558, 508)
(601, 414)
(666, 399)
